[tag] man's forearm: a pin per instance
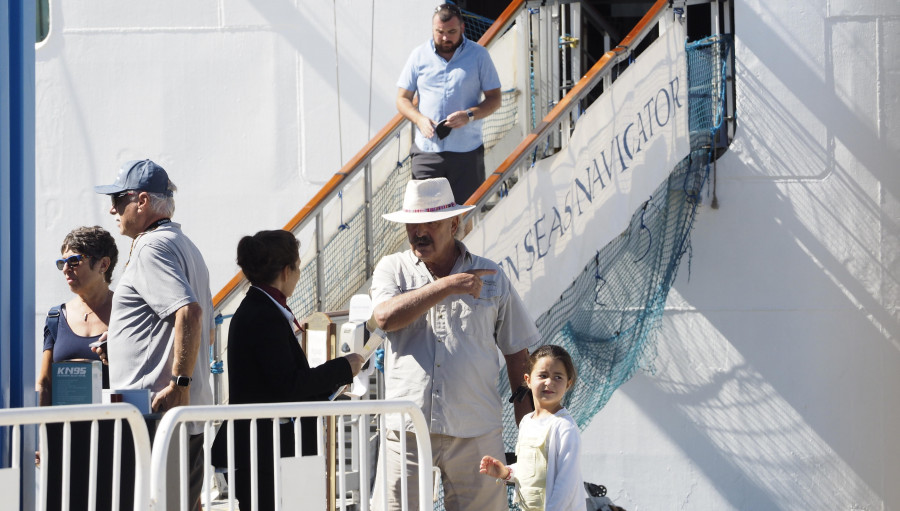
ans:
(492, 100)
(403, 309)
(516, 367)
(188, 337)
(405, 107)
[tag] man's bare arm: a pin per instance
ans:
(403, 309)
(185, 350)
(516, 367)
(406, 107)
(492, 100)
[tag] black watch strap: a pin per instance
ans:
(181, 381)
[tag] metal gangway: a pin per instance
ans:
(341, 230)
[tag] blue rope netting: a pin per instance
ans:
(476, 25)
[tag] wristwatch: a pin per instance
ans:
(471, 115)
(181, 381)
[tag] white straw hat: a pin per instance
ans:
(427, 200)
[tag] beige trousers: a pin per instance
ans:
(465, 489)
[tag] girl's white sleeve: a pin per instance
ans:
(565, 486)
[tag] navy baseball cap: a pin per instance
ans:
(143, 175)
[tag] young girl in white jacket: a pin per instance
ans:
(548, 468)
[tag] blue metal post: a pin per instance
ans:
(17, 128)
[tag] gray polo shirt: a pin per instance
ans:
(165, 272)
(446, 361)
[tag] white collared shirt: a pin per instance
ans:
(446, 361)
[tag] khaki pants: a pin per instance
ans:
(465, 489)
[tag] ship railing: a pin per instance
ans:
(554, 130)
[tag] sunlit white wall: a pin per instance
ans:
(777, 383)
(250, 105)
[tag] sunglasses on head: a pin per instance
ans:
(72, 261)
(449, 7)
(118, 196)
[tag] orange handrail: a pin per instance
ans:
(331, 187)
(575, 94)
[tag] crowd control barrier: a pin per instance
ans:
(86, 418)
(294, 477)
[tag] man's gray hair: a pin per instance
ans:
(163, 204)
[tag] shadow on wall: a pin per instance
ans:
(781, 377)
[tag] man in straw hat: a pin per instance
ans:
(446, 312)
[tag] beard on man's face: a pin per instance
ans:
(447, 46)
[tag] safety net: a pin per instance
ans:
(607, 317)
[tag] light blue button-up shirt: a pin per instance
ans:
(445, 87)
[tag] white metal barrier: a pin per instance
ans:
(18, 418)
(173, 422)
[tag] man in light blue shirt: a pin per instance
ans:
(449, 73)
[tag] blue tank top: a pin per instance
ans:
(71, 346)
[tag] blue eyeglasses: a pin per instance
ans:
(72, 261)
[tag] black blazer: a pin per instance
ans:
(267, 365)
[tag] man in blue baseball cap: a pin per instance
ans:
(138, 175)
(162, 312)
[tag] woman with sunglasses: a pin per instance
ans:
(89, 255)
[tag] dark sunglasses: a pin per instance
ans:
(449, 7)
(72, 261)
(118, 196)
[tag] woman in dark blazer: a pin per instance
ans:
(266, 363)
